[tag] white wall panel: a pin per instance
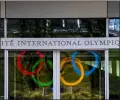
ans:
(83, 9)
(113, 8)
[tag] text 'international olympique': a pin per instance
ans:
(59, 43)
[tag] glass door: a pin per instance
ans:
(82, 75)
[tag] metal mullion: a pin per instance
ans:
(6, 75)
(106, 75)
(3, 15)
(58, 75)
(54, 75)
(107, 66)
(5, 64)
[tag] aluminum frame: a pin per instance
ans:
(58, 75)
(5, 64)
(107, 66)
(54, 75)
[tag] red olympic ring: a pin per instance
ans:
(25, 71)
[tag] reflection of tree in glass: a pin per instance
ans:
(57, 28)
(114, 27)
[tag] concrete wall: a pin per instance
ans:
(63, 9)
(0, 9)
(67, 9)
(113, 8)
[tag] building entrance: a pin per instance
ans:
(59, 59)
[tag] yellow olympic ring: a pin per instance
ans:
(77, 61)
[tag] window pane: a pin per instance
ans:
(1, 63)
(114, 74)
(92, 85)
(56, 27)
(114, 27)
(1, 75)
(26, 28)
(1, 28)
(30, 76)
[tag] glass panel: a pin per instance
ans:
(26, 28)
(1, 62)
(30, 75)
(1, 28)
(56, 27)
(114, 27)
(82, 75)
(1, 75)
(114, 74)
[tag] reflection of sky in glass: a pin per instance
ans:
(114, 24)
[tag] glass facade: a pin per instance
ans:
(114, 27)
(1, 63)
(23, 84)
(1, 28)
(76, 66)
(114, 74)
(56, 27)
(1, 75)
(92, 86)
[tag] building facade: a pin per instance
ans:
(59, 50)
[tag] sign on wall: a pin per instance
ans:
(60, 43)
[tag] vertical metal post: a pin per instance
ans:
(3, 15)
(54, 75)
(5, 64)
(5, 52)
(58, 75)
(6, 75)
(106, 75)
(107, 66)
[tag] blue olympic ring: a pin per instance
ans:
(95, 65)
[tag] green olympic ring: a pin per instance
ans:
(41, 84)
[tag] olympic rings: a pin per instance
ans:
(65, 60)
(25, 71)
(40, 62)
(37, 81)
(90, 71)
